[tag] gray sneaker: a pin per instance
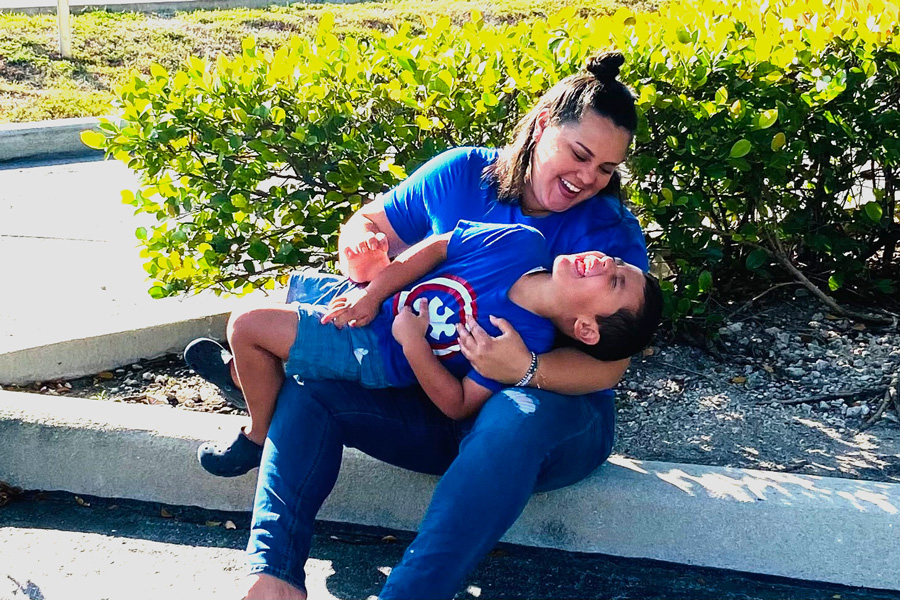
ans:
(211, 361)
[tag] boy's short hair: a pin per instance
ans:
(625, 332)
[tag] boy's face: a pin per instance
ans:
(595, 285)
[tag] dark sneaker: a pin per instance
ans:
(211, 361)
(233, 460)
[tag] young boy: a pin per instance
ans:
(475, 271)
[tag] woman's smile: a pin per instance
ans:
(572, 162)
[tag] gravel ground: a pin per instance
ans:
(785, 387)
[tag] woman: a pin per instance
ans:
(559, 176)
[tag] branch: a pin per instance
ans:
(751, 301)
(891, 393)
(782, 258)
(846, 394)
(780, 255)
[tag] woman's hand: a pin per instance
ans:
(355, 309)
(409, 327)
(504, 358)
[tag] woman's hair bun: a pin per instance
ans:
(605, 66)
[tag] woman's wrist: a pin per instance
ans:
(528, 377)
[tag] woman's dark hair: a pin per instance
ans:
(625, 332)
(596, 88)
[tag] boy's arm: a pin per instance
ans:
(360, 308)
(456, 399)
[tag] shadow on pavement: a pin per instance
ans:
(361, 557)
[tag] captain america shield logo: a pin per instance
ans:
(450, 301)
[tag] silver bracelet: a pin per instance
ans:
(529, 375)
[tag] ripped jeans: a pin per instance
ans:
(522, 441)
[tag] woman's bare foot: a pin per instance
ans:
(267, 587)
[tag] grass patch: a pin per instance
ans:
(37, 83)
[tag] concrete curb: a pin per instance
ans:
(45, 138)
(85, 356)
(815, 528)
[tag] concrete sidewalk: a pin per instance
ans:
(75, 298)
(57, 549)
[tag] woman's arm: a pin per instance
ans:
(572, 372)
(367, 242)
(563, 370)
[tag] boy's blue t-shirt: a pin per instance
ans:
(483, 262)
(450, 187)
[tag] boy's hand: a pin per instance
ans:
(365, 258)
(411, 327)
(355, 309)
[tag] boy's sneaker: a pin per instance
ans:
(233, 460)
(211, 361)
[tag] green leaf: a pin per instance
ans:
(721, 95)
(756, 259)
(158, 71)
(489, 99)
(835, 282)
(740, 148)
(767, 118)
(93, 139)
(778, 141)
(157, 292)
(140, 233)
(705, 281)
(873, 211)
(258, 250)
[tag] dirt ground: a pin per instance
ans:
(784, 387)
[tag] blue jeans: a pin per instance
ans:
(522, 441)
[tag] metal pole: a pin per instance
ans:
(65, 28)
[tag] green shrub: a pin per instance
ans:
(252, 163)
(758, 126)
(761, 130)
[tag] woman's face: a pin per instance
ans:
(572, 161)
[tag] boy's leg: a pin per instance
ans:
(212, 362)
(261, 341)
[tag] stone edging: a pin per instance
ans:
(45, 138)
(814, 528)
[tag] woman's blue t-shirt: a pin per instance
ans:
(483, 262)
(450, 188)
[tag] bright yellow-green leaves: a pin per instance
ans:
(251, 162)
(93, 139)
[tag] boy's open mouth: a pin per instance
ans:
(580, 267)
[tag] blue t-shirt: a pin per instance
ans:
(450, 187)
(483, 262)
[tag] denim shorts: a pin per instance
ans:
(326, 352)
(316, 287)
